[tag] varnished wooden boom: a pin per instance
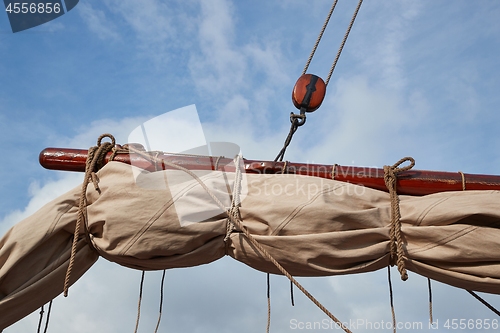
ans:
(412, 182)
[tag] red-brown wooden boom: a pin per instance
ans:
(411, 182)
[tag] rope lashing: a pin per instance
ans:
(239, 224)
(234, 210)
(396, 240)
(95, 160)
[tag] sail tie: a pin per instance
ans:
(396, 239)
(238, 223)
(95, 160)
(236, 201)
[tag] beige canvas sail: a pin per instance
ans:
(311, 226)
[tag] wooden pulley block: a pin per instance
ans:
(309, 92)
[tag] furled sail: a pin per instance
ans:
(311, 226)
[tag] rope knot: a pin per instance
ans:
(233, 212)
(390, 172)
(396, 239)
(96, 159)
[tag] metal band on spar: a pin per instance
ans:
(410, 182)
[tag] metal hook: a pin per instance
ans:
(298, 119)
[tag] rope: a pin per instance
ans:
(343, 42)
(283, 271)
(334, 171)
(95, 161)
(239, 224)
(391, 298)
(488, 305)
(294, 119)
(161, 301)
(299, 120)
(283, 171)
(463, 180)
(236, 201)
(308, 62)
(40, 320)
(48, 317)
(216, 168)
(431, 320)
(139, 303)
(268, 303)
(396, 241)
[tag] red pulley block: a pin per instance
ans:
(308, 92)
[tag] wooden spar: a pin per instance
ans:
(411, 182)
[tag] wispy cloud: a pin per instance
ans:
(40, 194)
(97, 22)
(152, 26)
(219, 69)
(414, 79)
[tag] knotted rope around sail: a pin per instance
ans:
(95, 160)
(396, 239)
(234, 216)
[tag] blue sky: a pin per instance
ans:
(415, 79)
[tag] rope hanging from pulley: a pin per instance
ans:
(310, 90)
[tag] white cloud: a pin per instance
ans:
(39, 196)
(268, 60)
(379, 43)
(219, 69)
(98, 22)
(385, 106)
(153, 26)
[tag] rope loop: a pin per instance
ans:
(106, 135)
(396, 239)
(96, 159)
(396, 165)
